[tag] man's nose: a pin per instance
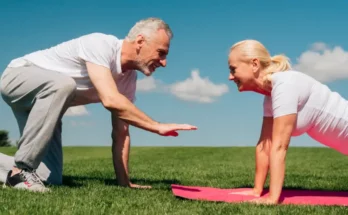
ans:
(163, 62)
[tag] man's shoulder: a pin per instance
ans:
(99, 38)
(100, 35)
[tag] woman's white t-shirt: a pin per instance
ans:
(321, 113)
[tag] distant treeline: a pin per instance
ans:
(4, 139)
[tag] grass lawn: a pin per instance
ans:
(89, 186)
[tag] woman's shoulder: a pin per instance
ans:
(292, 77)
(289, 74)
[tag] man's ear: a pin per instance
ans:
(139, 41)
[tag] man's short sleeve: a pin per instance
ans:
(130, 93)
(127, 85)
(285, 97)
(96, 48)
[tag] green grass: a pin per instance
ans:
(89, 186)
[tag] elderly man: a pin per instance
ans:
(41, 86)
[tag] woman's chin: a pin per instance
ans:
(240, 88)
(243, 89)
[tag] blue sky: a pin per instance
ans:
(306, 31)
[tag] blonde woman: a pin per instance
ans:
(294, 104)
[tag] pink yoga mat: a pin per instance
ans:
(297, 197)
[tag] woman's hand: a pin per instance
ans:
(266, 201)
(249, 192)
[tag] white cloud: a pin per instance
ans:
(146, 84)
(193, 89)
(76, 111)
(324, 63)
(319, 46)
(198, 89)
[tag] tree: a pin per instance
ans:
(4, 141)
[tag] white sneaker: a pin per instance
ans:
(27, 180)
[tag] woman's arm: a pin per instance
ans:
(281, 134)
(282, 129)
(261, 158)
(262, 155)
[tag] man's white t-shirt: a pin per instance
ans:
(321, 113)
(70, 58)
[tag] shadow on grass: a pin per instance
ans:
(160, 184)
(335, 189)
(71, 181)
(79, 181)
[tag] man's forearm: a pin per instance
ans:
(129, 113)
(114, 101)
(120, 155)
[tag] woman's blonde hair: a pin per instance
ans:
(250, 49)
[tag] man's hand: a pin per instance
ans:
(171, 129)
(137, 186)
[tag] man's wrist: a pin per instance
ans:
(155, 122)
(156, 126)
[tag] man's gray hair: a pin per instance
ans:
(147, 27)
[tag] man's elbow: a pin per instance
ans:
(113, 103)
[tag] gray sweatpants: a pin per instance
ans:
(38, 99)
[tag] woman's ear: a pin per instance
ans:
(255, 63)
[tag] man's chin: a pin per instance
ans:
(148, 73)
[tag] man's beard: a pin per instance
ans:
(143, 68)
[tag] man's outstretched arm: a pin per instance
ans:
(124, 109)
(114, 101)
